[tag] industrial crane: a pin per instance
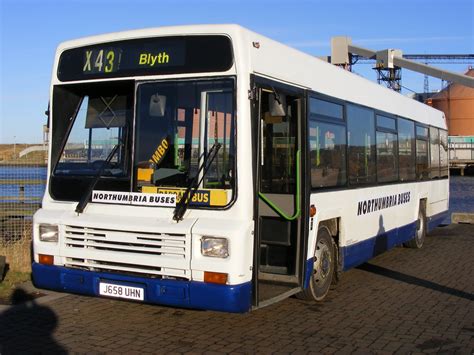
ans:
(424, 58)
(389, 63)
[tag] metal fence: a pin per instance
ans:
(22, 184)
(461, 151)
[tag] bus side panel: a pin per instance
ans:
(375, 219)
(438, 204)
(361, 252)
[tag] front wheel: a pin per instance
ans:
(420, 234)
(323, 269)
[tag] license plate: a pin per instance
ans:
(121, 291)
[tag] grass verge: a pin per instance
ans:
(18, 253)
(9, 284)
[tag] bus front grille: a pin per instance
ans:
(159, 254)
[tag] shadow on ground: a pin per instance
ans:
(28, 327)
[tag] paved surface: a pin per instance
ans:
(402, 301)
(461, 195)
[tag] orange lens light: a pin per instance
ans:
(215, 277)
(46, 259)
(312, 211)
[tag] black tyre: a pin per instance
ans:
(420, 234)
(324, 268)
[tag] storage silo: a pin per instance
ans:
(457, 103)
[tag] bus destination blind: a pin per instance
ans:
(167, 55)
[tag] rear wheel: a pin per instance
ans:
(420, 234)
(323, 269)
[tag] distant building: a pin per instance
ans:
(457, 103)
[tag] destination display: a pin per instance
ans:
(149, 56)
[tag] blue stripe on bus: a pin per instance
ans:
(308, 272)
(361, 252)
(188, 294)
(437, 219)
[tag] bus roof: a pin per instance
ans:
(283, 63)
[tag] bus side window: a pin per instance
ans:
(361, 145)
(422, 156)
(387, 152)
(406, 149)
(443, 153)
(327, 154)
(327, 139)
(434, 153)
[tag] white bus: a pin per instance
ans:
(211, 167)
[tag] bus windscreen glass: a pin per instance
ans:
(148, 56)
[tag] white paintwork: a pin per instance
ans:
(282, 63)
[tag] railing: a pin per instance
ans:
(461, 152)
(18, 205)
(22, 186)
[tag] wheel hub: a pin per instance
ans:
(323, 261)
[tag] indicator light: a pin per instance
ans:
(46, 259)
(215, 277)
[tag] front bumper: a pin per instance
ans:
(189, 294)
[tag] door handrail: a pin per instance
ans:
(274, 207)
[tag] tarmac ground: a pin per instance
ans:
(403, 301)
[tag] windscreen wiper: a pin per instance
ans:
(191, 189)
(86, 197)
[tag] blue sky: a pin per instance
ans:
(30, 31)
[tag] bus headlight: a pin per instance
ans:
(48, 233)
(215, 247)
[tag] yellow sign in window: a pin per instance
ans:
(211, 197)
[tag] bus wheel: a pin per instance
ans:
(323, 269)
(420, 234)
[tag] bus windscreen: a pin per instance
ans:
(146, 56)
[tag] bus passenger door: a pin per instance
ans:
(279, 194)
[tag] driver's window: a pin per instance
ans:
(75, 147)
(97, 128)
